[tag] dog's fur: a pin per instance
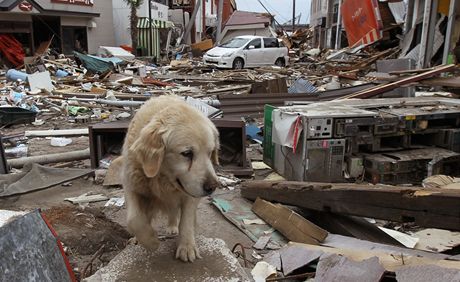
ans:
(168, 159)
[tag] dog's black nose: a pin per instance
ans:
(210, 186)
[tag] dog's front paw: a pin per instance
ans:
(172, 230)
(187, 252)
(150, 243)
(132, 241)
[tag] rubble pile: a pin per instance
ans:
(341, 166)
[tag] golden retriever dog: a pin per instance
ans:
(169, 155)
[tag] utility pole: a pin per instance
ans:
(150, 45)
(338, 26)
(293, 16)
(220, 7)
(191, 22)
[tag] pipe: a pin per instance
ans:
(338, 27)
(51, 158)
(188, 28)
(53, 132)
(124, 103)
(450, 27)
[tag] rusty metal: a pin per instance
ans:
(89, 266)
(252, 105)
(379, 89)
(241, 254)
(290, 277)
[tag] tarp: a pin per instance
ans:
(36, 177)
(94, 64)
(11, 49)
(238, 211)
(362, 21)
(116, 52)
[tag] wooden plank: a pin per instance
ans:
(289, 223)
(452, 81)
(427, 208)
(409, 71)
(203, 45)
(393, 85)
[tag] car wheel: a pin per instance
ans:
(238, 63)
(280, 62)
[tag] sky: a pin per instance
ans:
(282, 9)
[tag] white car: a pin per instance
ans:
(248, 51)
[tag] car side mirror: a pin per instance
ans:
(251, 47)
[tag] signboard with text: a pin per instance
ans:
(74, 2)
(362, 21)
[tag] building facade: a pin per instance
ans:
(81, 25)
(150, 39)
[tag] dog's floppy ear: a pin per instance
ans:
(215, 152)
(149, 148)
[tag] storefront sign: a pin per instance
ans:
(25, 6)
(159, 11)
(74, 2)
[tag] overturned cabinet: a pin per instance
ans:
(106, 141)
(373, 139)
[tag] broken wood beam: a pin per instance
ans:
(452, 82)
(374, 91)
(427, 208)
(289, 223)
(121, 96)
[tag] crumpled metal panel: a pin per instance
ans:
(30, 251)
(302, 86)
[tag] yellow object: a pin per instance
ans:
(410, 117)
(443, 7)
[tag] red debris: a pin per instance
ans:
(12, 49)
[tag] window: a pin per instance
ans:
(271, 43)
(234, 43)
(257, 43)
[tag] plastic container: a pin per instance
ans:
(61, 73)
(17, 152)
(16, 115)
(60, 142)
(14, 75)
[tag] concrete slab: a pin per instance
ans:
(135, 263)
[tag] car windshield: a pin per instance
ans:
(235, 43)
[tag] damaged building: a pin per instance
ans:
(73, 25)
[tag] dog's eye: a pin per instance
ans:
(188, 154)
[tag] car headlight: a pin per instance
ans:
(227, 55)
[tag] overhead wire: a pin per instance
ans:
(274, 10)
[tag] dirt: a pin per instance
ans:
(41, 146)
(83, 233)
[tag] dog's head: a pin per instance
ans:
(185, 151)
